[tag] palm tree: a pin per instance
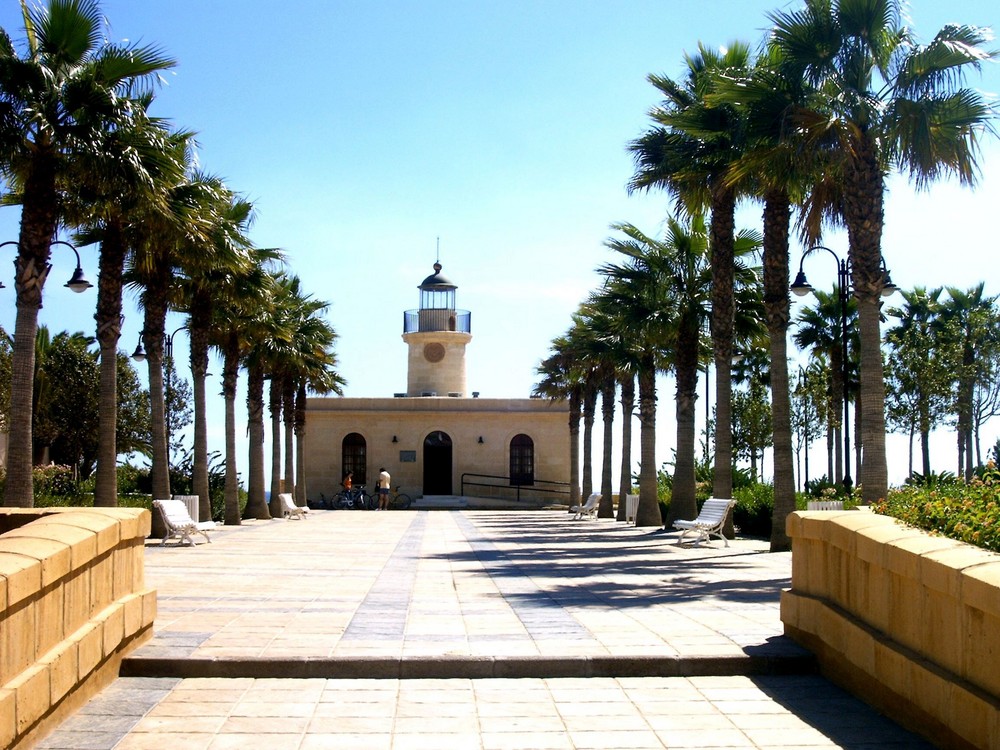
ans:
(626, 386)
(208, 279)
(274, 403)
(306, 356)
(575, 344)
(972, 317)
(924, 363)
(237, 305)
(677, 271)
(60, 100)
(591, 348)
(164, 242)
(817, 329)
(316, 373)
(637, 288)
(780, 171)
(690, 153)
(137, 165)
(879, 100)
(561, 382)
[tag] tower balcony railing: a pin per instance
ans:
(420, 321)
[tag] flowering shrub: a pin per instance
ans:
(967, 512)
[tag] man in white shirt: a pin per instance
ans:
(383, 489)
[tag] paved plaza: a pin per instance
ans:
(468, 629)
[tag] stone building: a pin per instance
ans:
(437, 439)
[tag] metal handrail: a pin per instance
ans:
(415, 321)
(551, 488)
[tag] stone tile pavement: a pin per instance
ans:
(468, 629)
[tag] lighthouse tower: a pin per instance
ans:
(436, 335)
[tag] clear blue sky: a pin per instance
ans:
(364, 131)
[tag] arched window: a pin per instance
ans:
(354, 457)
(522, 460)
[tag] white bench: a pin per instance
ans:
(709, 521)
(825, 505)
(588, 509)
(179, 523)
(289, 509)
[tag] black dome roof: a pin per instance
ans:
(437, 281)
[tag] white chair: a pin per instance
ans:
(289, 509)
(179, 523)
(588, 509)
(708, 523)
(631, 507)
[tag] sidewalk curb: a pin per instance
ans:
(466, 667)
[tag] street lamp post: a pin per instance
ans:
(801, 288)
(78, 282)
(805, 423)
(139, 355)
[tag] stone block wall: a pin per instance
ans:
(73, 601)
(907, 620)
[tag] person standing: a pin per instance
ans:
(383, 489)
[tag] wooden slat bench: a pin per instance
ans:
(588, 509)
(709, 521)
(179, 522)
(288, 507)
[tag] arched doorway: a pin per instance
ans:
(354, 458)
(522, 460)
(437, 464)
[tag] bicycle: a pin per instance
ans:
(399, 500)
(355, 498)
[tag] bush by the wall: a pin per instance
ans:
(967, 512)
(754, 505)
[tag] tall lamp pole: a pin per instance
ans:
(801, 288)
(78, 282)
(805, 422)
(168, 360)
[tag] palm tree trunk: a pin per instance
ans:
(201, 315)
(837, 415)
(923, 427)
(38, 227)
(863, 215)
(300, 444)
(648, 512)
(606, 509)
(288, 409)
(682, 497)
(723, 317)
(589, 407)
(628, 406)
(153, 329)
(230, 373)
(574, 447)
(274, 403)
(19, 488)
(830, 445)
(109, 326)
(256, 504)
(965, 395)
(777, 215)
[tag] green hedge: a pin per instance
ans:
(969, 512)
(56, 487)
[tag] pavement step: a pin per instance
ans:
(471, 667)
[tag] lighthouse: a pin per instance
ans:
(436, 334)
(462, 451)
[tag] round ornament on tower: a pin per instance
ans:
(434, 352)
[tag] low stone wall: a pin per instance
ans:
(73, 601)
(906, 620)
